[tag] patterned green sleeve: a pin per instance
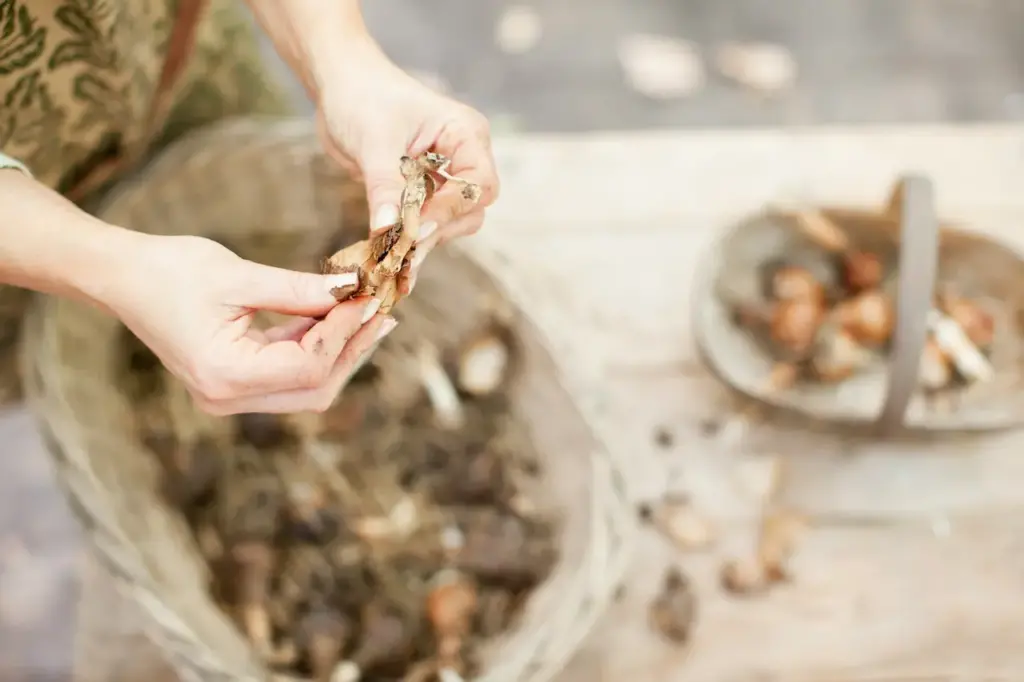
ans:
(9, 162)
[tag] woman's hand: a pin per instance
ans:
(373, 113)
(192, 301)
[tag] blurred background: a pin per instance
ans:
(580, 65)
(577, 65)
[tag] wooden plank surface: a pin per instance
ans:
(911, 571)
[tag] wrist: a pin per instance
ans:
(102, 256)
(337, 46)
(325, 42)
(48, 244)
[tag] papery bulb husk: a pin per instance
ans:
(978, 324)
(369, 259)
(781, 531)
(936, 371)
(674, 609)
(452, 604)
(354, 258)
(970, 362)
(868, 317)
(862, 270)
(743, 576)
(795, 325)
(678, 520)
(346, 671)
(485, 361)
(838, 356)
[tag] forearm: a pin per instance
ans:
(323, 41)
(50, 245)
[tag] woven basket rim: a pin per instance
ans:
(527, 654)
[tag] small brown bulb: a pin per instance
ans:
(499, 551)
(495, 612)
(344, 418)
(838, 357)
(164, 444)
(868, 317)
(793, 283)
(191, 482)
(308, 517)
(484, 362)
(451, 606)
(674, 611)
(386, 638)
(978, 325)
(477, 478)
(250, 511)
(862, 270)
(781, 530)
(743, 577)
(254, 562)
(676, 518)
(322, 633)
(795, 323)
(262, 431)
(784, 375)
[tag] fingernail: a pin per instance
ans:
(386, 327)
(370, 310)
(341, 280)
(386, 216)
(426, 229)
(417, 259)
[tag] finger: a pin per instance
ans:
(292, 330)
(463, 227)
(384, 182)
(262, 287)
(410, 267)
(356, 352)
(302, 364)
(467, 142)
(449, 204)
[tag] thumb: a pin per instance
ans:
(384, 184)
(263, 287)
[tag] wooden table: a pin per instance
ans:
(913, 569)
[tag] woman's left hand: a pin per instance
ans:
(378, 113)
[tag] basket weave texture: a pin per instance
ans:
(249, 183)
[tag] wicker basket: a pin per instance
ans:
(279, 181)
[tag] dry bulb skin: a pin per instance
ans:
(385, 539)
(485, 361)
(676, 518)
(828, 329)
(254, 562)
(780, 533)
(673, 612)
(382, 261)
(451, 607)
(322, 634)
(385, 638)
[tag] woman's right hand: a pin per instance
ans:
(192, 301)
